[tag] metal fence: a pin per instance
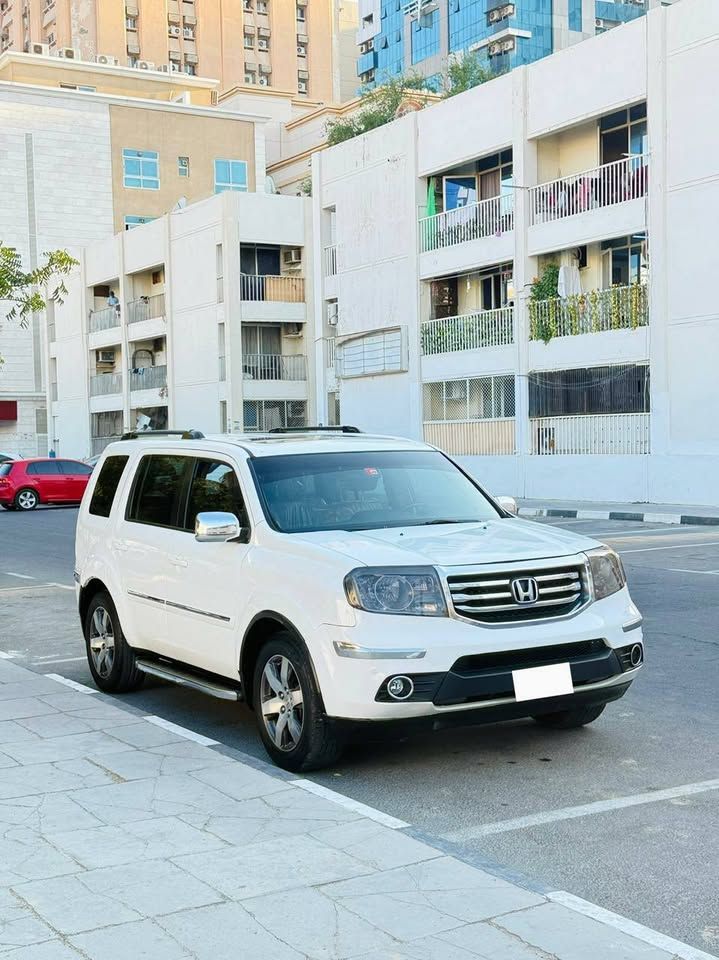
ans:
(331, 353)
(610, 433)
(485, 218)
(269, 366)
(486, 328)
(471, 416)
(611, 183)
(105, 383)
(104, 319)
(478, 438)
(272, 288)
(330, 259)
(618, 308)
(262, 415)
(146, 308)
(148, 378)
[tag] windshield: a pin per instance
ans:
(366, 491)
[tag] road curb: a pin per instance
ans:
(649, 516)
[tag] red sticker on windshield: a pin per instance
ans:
(371, 471)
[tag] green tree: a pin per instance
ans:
(465, 72)
(378, 106)
(21, 289)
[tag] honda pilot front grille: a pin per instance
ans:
(507, 596)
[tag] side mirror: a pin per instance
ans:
(216, 527)
(508, 503)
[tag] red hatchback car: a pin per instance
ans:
(26, 483)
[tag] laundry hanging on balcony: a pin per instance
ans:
(568, 280)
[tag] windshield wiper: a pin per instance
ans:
(432, 523)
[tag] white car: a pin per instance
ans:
(341, 583)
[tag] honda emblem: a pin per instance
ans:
(525, 590)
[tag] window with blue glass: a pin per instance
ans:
(230, 175)
(575, 14)
(141, 169)
(132, 221)
(389, 43)
(425, 36)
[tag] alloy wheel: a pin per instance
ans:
(102, 642)
(26, 500)
(282, 702)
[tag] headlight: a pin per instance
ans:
(415, 591)
(607, 572)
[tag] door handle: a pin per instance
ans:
(178, 561)
(120, 546)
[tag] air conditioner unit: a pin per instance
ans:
(507, 45)
(174, 31)
(174, 67)
(301, 50)
(263, 82)
(68, 53)
(145, 65)
(164, 68)
(263, 44)
(292, 329)
(40, 49)
(106, 59)
(333, 313)
(292, 256)
(188, 33)
(599, 24)
(494, 49)
(105, 356)
(494, 15)
(456, 390)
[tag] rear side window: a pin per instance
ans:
(5, 469)
(106, 487)
(43, 468)
(158, 492)
(214, 487)
(75, 468)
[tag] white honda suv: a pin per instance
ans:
(339, 582)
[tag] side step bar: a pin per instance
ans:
(183, 678)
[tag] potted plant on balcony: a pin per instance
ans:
(543, 322)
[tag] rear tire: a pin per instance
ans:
(293, 726)
(26, 499)
(7, 506)
(570, 719)
(110, 658)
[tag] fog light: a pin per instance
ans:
(400, 688)
(636, 655)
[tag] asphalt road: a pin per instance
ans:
(647, 848)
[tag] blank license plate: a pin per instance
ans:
(554, 680)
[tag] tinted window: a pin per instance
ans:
(5, 469)
(158, 490)
(214, 487)
(106, 486)
(43, 468)
(75, 468)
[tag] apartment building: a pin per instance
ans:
(523, 274)
(208, 330)
(399, 36)
(293, 45)
(88, 150)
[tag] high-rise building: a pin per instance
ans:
(399, 36)
(291, 45)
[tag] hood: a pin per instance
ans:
(489, 541)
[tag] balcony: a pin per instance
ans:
(268, 366)
(104, 319)
(471, 331)
(618, 308)
(148, 378)
(272, 288)
(475, 235)
(104, 384)
(146, 308)
(589, 434)
(482, 438)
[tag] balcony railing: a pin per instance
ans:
(618, 308)
(486, 218)
(105, 383)
(272, 288)
(331, 352)
(472, 437)
(98, 444)
(270, 366)
(148, 378)
(612, 183)
(222, 369)
(486, 328)
(146, 308)
(606, 433)
(330, 260)
(104, 319)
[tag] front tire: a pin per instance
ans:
(110, 658)
(293, 726)
(26, 499)
(571, 719)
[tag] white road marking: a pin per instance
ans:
(45, 661)
(679, 546)
(6, 656)
(583, 810)
(181, 731)
(361, 808)
(20, 576)
(705, 573)
(61, 586)
(637, 930)
(80, 687)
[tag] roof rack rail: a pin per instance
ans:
(182, 434)
(344, 428)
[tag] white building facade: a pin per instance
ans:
(523, 273)
(208, 332)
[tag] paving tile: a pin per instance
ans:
(56, 725)
(96, 711)
(425, 898)
(320, 929)
(568, 935)
(143, 940)
(6, 761)
(23, 932)
(150, 888)
(33, 686)
(214, 933)
(141, 764)
(46, 813)
(241, 782)
(12, 673)
(485, 941)
(26, 856)
(52, 950)
(25, 707)
(427, 948)
(377, 846)
(107, 846)
(144, 734)
(72, 747)
(270, 866)
(67, 700)
(66, 905)
(11, 731)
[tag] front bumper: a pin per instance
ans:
(457, 666)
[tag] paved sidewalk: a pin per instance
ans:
(595, 510)
(122, 838)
